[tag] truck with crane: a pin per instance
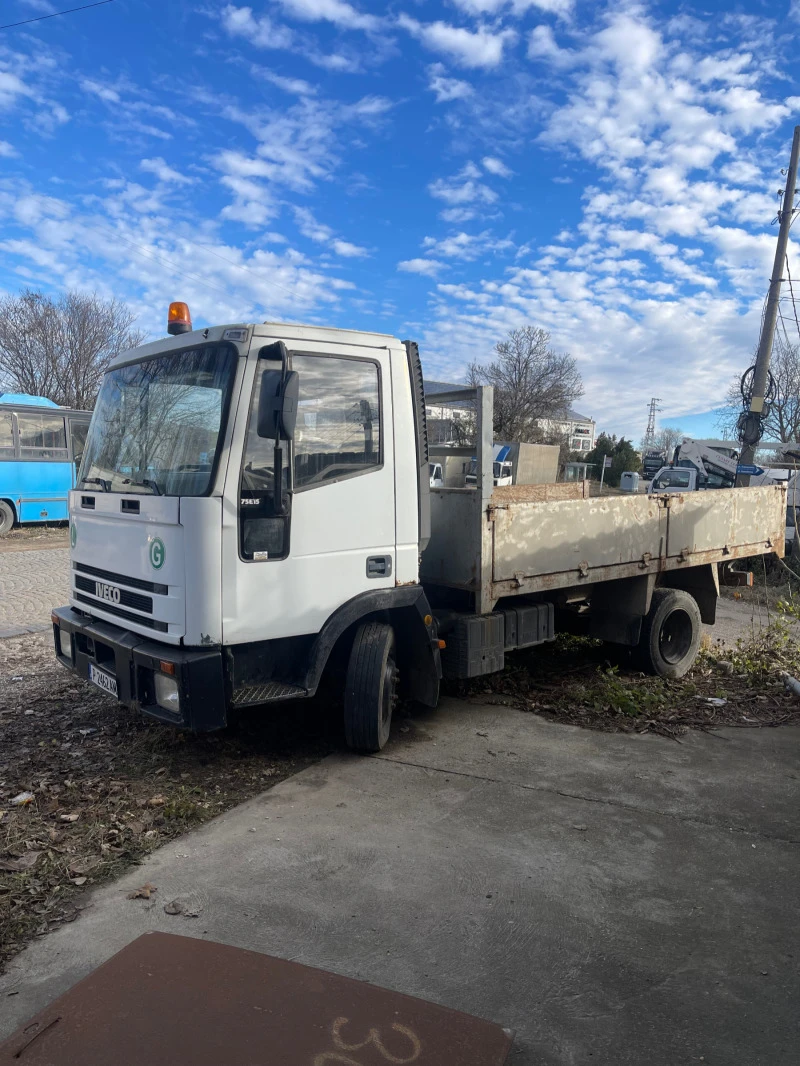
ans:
(254, 511)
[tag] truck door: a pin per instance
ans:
(286, 574)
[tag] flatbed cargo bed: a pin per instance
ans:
(500, 542)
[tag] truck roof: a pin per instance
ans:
(290, 331)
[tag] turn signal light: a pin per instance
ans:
(178, 320)
(166, 668)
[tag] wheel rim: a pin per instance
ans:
(389, 693)
(675, 637)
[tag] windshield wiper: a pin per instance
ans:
(101, 481)
(146, 483)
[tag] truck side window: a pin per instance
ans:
(338, 431)
(262, 533)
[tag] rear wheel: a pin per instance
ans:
(370, 687)
(6, 518)
(671, 633)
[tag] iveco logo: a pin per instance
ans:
(106, 592)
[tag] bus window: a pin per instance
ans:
(42, 436)
(77, 434)
(6, 435)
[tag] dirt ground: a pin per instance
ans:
(36, 537)
(88, 788)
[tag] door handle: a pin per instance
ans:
(379, 566)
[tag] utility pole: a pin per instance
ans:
(649, 437)
(750, 421)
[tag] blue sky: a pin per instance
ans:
(445, 171)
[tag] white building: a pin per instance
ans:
(443, 421)
(580, 429)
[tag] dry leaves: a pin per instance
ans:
(105, 786)
(24, 862)
(145, 892)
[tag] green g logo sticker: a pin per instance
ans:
(158, 553)
(73, 534)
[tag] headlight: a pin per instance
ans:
(65, 643)
(167, 693)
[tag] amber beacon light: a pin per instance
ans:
(179, 320)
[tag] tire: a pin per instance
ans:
(671, 634)
(6, 518)
(370, 687)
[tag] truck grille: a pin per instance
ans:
(122, 579)
(126, 598)
(109, 608)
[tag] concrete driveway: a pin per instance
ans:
(615, 899)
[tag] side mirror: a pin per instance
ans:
(277, 407)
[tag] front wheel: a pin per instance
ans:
(671, 633)
(6, 518)
(370, 688)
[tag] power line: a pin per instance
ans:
(783, 323)
(55, 14)
(791, 290)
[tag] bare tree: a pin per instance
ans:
(667, 439)
(783, 421)
(532, 382)
(60, 348)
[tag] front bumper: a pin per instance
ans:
(133, 662)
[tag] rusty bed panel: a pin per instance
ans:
(739, 516)
(167, 1000)
(533, 548)
(550, 538)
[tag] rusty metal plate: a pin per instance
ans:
(168, 1000)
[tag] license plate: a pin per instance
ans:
(103, 680)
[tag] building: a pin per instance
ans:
(579, 429)
(450, 424)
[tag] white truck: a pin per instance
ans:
(714, 464)
(502, 469)
(254, 506)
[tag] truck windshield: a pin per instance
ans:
(158, 424)
(672, 479)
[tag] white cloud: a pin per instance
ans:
(457, 214)
(519, 7)
(104, 92)
(348, 250)
(294, 86)
(427, 267)
(8, 151)
(322, 234)
(496, 166)
(164, 172)
(336, 11)
(463, 188)
(309, 227)
(261, 32)
(11, 88)
(447, 89)
(473, 49)
(542, 45)
(466, 246)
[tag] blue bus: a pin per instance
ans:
(41, 446)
